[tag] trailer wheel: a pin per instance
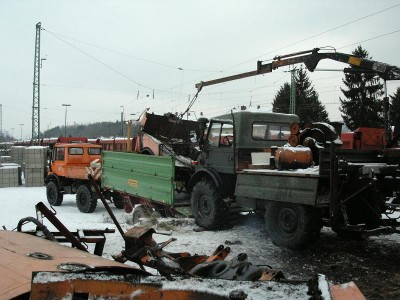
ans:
(139, 212)
(293, 226)
(117, 199)
(207, 205)
(85, 200)
(54, 197)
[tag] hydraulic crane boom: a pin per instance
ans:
(311, 59)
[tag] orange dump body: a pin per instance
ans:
(35, 268)
(71, 160)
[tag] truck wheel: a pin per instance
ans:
(207, 205)
(117, 199)
(85, 200)
(293, 226)
(54, 197)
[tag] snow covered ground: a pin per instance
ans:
(247, 236)
(20, 202)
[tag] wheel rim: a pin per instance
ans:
(137, 215)
(204, 206)
(83, 199)
(287, 220)
(52, 193)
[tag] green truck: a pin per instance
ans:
(299, 189)
(237, 167)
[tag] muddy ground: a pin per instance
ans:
(373, 264)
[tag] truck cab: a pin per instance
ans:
(239, 140)
(71, 160)
(68, 174)
(232, 143)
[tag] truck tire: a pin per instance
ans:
(207, 205)
(85, 200)
(54, 197)
(293, 226)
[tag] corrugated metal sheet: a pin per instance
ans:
(140, 175)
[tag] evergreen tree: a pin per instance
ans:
(361, 106)
(308, 106)
(281, 102)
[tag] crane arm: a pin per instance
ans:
(311, 58)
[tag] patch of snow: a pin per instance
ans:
(247, 237)
(324, 287)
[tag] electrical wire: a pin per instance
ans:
(132, 56)
(315, 35)
(370, 39)
(103, 63)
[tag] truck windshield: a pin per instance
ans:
(270, 131)
(220, 135)
(59, 153)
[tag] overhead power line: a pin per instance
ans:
(370, 39)
(134, 57)
(315, 35)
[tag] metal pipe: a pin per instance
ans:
(96, 187)
(60, 226)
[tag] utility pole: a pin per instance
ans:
(65, 120)
(36, 88)
(292, 105)
(122, 120)
(21, 130)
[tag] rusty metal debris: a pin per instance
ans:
(87, 276)
(77, 239)
(141, 248)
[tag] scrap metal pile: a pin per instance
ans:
(141, 248)
(45, 269)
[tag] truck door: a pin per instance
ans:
(220, 147)
(57, 161)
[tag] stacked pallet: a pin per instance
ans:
(6, 159)
(35, 159)
(5, 152)
(17, 154)
(10, 175)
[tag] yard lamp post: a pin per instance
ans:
(65, 120)
(122, 120)
(21, 130)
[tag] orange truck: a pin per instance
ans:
(68, 169)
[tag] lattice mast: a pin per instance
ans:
(292, 104)
(36, 88)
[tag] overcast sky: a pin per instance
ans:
(101, 55)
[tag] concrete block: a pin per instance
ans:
(6, 159)
(34, 177)
(17, 153)
(35, 157)
(2, 165)
(9, 176)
